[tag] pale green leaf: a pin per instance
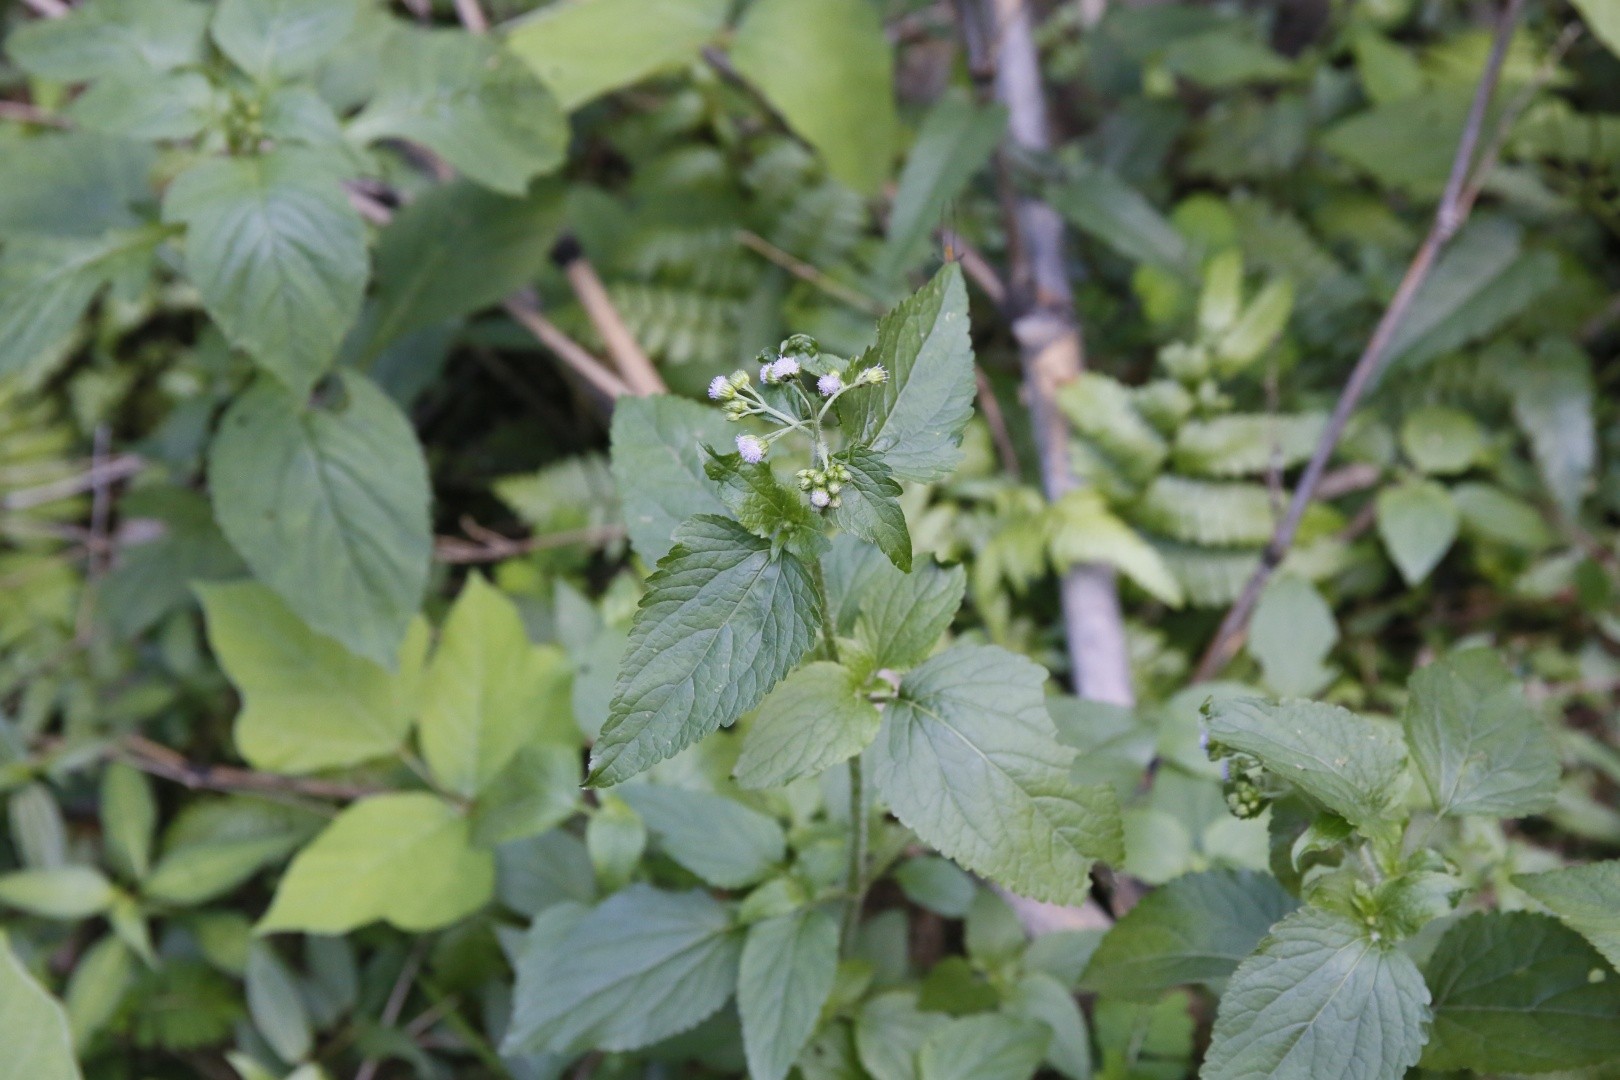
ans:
(277, 253)
(1349, 764)
(968, 759)
(787, 970)
(272, 40)
(987, 1047)
(307, 703)
(129, 818)
(615, 839)
(329, 506)
(1441, 440)
(483, 695)
(1102, 412)
(195, 873)
(69, 893)
(816, 718)
(1222, 514)
(1520, 993)
(1418, 523)
(658, 460)
(1246, 444)
(536, 791)
(1584, 897)
(583, 49)
(147, 105)
(1040, 997)
(1196, 929)
(97, 986)
(639, 968)
(111, 37)
(1488, 512)
(1479, 746)
(902, 617)
(722, 621)
(827, 68)
(937, 884)
(868, 506)
(1292, 632)
(1100, 204)
(275, 1005)
(1603, 18)
(915, 418)
(1552, 402)
(1319, 999)
(33, 1027)
(72, 183)
(889, 1031)
(403, 858)
(471, 103)
(720, 840)
(954, 142)
(1085, 530)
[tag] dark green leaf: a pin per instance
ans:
(720, 840)
(902, 618)
(72, 183)
(658, 461)
(869, 508)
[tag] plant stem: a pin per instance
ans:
(858, 812)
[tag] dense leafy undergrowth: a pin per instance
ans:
(523, 550)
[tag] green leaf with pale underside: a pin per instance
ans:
(902, 618)
(1584, 897)
(720, 840)
(33, 1027)
(816, 718)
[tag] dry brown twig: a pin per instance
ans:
(635, 367)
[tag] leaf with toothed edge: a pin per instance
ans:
(869, 505)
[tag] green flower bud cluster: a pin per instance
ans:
(824, 485)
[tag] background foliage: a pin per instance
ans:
(324, 527)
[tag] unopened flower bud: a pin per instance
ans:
(830, 383)
(751, 449)
(834, 487)
(739, 379)
(875, 374)
(800, 345)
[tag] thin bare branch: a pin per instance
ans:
(1457, 200)
(635, 366)
(102, 471)
(24, 113)
(525, 309)
(996, 421)
(807, 272)
(486, 546)
(158, 760)
(472, 16)
(49, 9)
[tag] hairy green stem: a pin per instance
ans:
(858, 811)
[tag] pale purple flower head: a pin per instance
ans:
(819, 498)
(751, 449)
(720, 388)
(830, 383)
(785, 368)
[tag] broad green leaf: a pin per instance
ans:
(1441, 440)
(615, 839)
(1319, 999)
(987, 1047)
(1206, 512)
(722, 621)
(1406, 144)
(869, 505)
(720, 840)
(111, 37)
(1041, 998)
(195, 873)
(954, 142)
(1292, 632)
(855, 571)
(1196, 929)
(147, 105)
(154, 578)
(69, 893)
(1488, 512)
(968, 759)
(915, 418)
(471, 103)
(33, 1027)
(1349, 764)
(1520, 993)
(404, 858)
(329, 507)
(277, 253)
(787, 970)
(46, 285)
(1552, 402)
(129, 818)
(1227, 56)
(307, 703)
(72, 183)
(658, 460)
(453, 250)
(827, 68)
(902, 617)
(1417, 522)
(536, 791)
(1100, 204)
(1085, 530)
(1584, 897)
(1603, 19)
(582, 49)
(816, 718)
(639, 968)
(1479, 746)
(937, 884)
(889, 1030)
(1246, 444)
(275, 1005)
(484, 691)
(273, 40)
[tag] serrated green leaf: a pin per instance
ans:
(761, 503)
(816, 718)
(1246, 444)
(1479, 746)
(855, 570)
(787, 971)
(901, 618)
(915, 418)
(640, 967)
(1441, 440)
(33, 1027)
(277, 253)
(582, 49)
(954, 142)
(1206, 512)
(69, 893)
(404, 858)
(1584, 898)
(329, 507)
(1292, 632)
(869, 505)
(1101, 410)
(112, 37)
(722, 621)
(273, 40)
(147, 105)
(307, 704)
(827, 68)
(1418, 523)
(720, 840)
(1319, 999)
(987, 1047)
(1520, 993)
(1349, 764)
(471, 103)
(658, 460)
(968, 759)
(482, 695)
(1085, 530)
